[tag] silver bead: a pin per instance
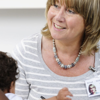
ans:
(57, 59)
(77, 59)
(54, 49)
(53, 45)
(62, 65)
(78, 55)
(75, 63)
(55, 53)
(69, 66)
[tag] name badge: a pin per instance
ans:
(93, 86)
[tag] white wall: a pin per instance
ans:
(16, 24)
(22, 4)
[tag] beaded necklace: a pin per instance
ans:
(58, 60)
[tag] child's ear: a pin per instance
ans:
(12, 87)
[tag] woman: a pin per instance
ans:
(59, 59)
(92, 89)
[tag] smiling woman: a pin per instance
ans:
(63, 24)
(84, 9)
(56, 64)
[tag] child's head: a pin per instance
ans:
(8, 72)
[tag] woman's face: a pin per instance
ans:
(92, 89)
(65, 23)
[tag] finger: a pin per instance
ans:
(69, 97)
(68, 93)
(65, 89)
(66, 98)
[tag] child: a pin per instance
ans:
(8, 72)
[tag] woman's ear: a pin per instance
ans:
(12, 87)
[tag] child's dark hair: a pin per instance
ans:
(8, 71)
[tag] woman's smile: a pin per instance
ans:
(58, 28)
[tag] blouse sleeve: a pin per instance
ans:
(21, 85)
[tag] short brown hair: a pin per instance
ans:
(8, 71)
(90, 11)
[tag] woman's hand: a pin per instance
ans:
(63, 93)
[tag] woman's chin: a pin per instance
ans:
(55, 36)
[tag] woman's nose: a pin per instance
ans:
(60, 15)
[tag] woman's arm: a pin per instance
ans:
(21, 85)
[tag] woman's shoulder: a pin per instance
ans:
(32, 37)
(28, 44)
(29, 41)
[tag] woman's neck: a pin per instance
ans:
(71, 48)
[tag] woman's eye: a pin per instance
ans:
(71, 11)
(55, 5)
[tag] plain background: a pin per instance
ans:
(16, 24)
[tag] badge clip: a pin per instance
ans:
(92, 68)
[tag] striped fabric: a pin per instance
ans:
(37, 80)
